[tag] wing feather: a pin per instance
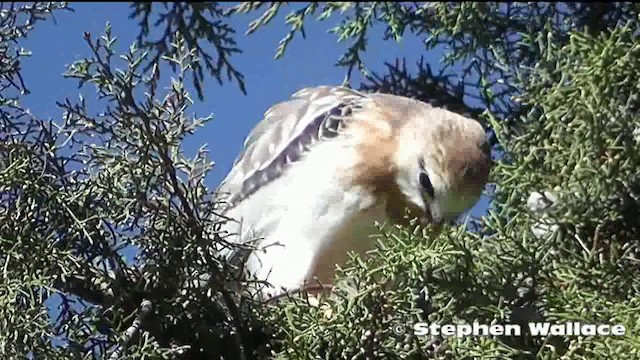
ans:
(286, 132)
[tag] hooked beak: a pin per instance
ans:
(429, 218)
(434, 218)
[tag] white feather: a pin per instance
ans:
(308, 210)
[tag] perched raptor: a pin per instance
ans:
(320, 168)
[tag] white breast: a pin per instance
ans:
(307, 219)
(355, 236)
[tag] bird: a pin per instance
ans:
(322, 167)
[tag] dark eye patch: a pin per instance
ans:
(425, 182)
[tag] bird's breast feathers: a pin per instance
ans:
(320, 195)
(314, 212)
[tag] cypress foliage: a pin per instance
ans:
(556, 85)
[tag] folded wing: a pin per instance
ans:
(286, 132)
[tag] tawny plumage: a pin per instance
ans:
(322, 167)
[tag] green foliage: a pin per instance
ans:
(198, 23)
(77, 191)
(557, 86)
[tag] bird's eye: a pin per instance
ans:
(426, 184)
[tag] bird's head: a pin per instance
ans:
(442, 165)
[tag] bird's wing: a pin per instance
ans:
(287, 130)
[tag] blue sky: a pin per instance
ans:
(308, 62)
